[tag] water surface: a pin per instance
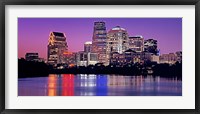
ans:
(99, 85)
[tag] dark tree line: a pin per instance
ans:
(168, 70)
(38, 69)
(32, 69)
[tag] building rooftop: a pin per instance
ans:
(88, 42)
(31, 53)
(117, 28)
(138, 36)
(99, 22)
(130, 50)
(59, 34)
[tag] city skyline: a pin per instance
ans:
(33, 33)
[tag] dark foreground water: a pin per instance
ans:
(99, 85)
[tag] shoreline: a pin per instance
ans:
(178, 77)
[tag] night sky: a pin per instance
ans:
(33, 33)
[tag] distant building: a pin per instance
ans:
(86, 58)
(31, 56)
(155, 58)
(170, 58)
(117, 59)
(41, 60)
(88, 46)
(179, 56)
(99, 41)
(145, 56)
(92, 58)
(129, 57)
(81, 58)
(136, 43)
(57, 45)
(70, 58)
(150, 45)
(117, 41)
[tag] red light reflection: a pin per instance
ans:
(68, 85)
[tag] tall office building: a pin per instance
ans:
(150, 45)
(88, 46)
(117, 41)
(99, 41)
(57, 45)
(136, 43)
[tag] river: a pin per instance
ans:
(99, 85)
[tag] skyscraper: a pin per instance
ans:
(150, 45)
(57, 45)
(99, 41)
(117, 41)
(136, 43)
(88, 46)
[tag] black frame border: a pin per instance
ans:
(3, 3)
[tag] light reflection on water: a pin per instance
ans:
(99, 85)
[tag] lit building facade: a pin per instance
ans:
(129, 57)
(88, 46)
(99, 41)
(179, 56)
(86, 58)
(150, 45)
(136, 43)
(69, 58)
(31, 56)
(132, 56)
(57, 45)
(155, 58)
(170, 58)
(117, 59)
(117, 41)
(145, 56)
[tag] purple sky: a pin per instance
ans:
(33, 33)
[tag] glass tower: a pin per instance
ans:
(99, 41)
(136, 43)
(117, 41)
(57, 45)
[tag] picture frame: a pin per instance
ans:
(3, 110)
